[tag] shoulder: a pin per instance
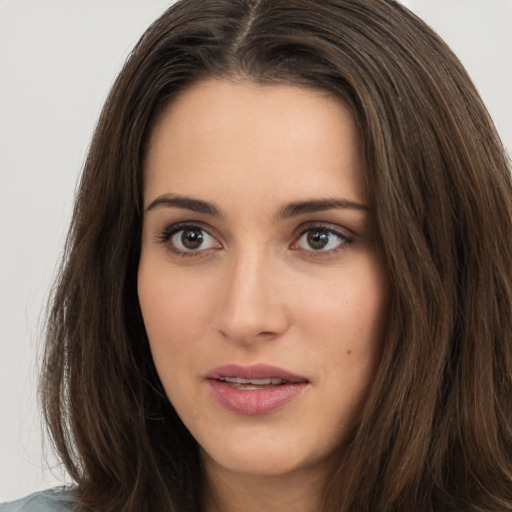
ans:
(51, 500)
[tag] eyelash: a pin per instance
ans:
(343, 239)
(168, 233)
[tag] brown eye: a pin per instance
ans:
(317, 239)
(191, 238)
(321, 240)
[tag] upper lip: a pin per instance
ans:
(254, 371)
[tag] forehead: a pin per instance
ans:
(225, 133)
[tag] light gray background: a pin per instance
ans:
(58, 59)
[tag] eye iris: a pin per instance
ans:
(191, 238)
(317, 239)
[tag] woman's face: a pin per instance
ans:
(263, 294)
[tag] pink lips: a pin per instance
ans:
(253, 398)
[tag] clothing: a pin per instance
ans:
(50, 500)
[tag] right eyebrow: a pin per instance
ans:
(185, 203)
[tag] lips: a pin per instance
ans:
(255, 389)
(240, 383)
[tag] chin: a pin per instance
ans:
(262, 464)
(264, 458)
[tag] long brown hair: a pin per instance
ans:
(436, 431)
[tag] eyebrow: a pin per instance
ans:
(185, 203)
(287, 211)
(319, 205)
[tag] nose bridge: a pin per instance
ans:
(249, 306)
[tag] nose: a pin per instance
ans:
(251, 306)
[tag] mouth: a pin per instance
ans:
(252, 384)
(254, 373)
(255, 389)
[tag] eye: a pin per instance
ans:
(188, 240)
(320, 239)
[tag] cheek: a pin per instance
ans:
(345, 325)
(174, 313)
(349, 308)
(173, 305)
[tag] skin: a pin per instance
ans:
(255, 290)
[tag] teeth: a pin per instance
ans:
(254, 382)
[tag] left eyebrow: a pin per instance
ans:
(319, 205)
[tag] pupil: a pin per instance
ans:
(318, 239)
(191, 239)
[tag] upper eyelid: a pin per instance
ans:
(343, 237)
(328, 226)
(337, 232)
(178, 226)
(304, 227)
(165, 235)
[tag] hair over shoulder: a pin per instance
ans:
(436, 431)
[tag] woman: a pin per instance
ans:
(288, 277)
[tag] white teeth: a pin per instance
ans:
(254, 382)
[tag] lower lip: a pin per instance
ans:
(255, 401)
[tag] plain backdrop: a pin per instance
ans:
(58, 59)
